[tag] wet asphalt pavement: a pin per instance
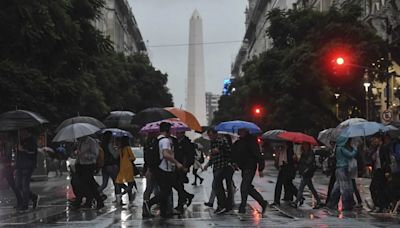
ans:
(54, 211)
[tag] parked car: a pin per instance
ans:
(139, 162)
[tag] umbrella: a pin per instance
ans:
(187, 117)
(176, 126)
(18, 119)
(81, 119)
(150, 115)
(351, 121)
(118, 133)
(326, 136)
(297, 137)
(272, 135)
(364, 129)
(234, 126)
(119, 119)
(74, 131)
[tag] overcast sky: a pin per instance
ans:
(165, 22)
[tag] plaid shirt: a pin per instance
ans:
(222, 159)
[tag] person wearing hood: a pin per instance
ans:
(343, 185)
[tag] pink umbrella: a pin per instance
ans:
(154, 127)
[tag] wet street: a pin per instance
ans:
(53, 209)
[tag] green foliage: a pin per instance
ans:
(55, 62)
(294, 81)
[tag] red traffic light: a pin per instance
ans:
(257, 111)
(340, 61)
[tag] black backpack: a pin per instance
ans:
(152, 158)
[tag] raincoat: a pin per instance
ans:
(125, 174)
(343, 154)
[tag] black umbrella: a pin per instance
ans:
(81, 119)
(119, 119)
(19, 119)
(150, 115)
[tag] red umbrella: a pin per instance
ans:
(297, 137)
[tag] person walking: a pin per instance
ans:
(222, 169)
(25, 165)
(343, 186)
(87, 154)
(198, 159)
(307, 168)
(246, 154)
(111, 163)
(126, 172)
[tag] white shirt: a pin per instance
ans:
(165, 144)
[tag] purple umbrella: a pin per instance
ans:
(154, 127)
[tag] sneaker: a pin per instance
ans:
(274, 204)
(194, 184)
(201, 180)
(146, 210)
(208, 204)
(189, 199)
(293, 204)
(35, 201)
(264, 206)
(219, 211)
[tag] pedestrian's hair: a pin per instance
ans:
(212, 130)
(107, 136)
(124, 141)
(165, 127)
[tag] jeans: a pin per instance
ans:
(151, 184)
(306, 181)
(23, 181)
(9, 176)
(226, 174)
(183, 195)
(285, 179)
(165, 181)
(332, 181)
(246, 188)
(109, 171)
(342, 187)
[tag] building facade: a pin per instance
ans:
(211, 106)
(118, 23)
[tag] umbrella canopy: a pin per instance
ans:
(18, 119)
(234, 126)
(351, 121)
(187, 117)
(297, 137)
(326, 136)
(176, 126)
(74, 131)
(119, 119)
(117, 133)
(272, 135)
(150, 115)
(81, 119)
(364, 129)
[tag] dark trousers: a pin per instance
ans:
(218, 186)
(194, 172)
(85, 174)
(183, 195)
(165, 181)
(356, 192)
(379, 189)
(23, 181)
(9, 176)
(246, 189)
(306, 181)
(107, 172)
(285, 179)
(332, 181)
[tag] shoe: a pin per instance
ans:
(119, 200)
(201, 180)
(208, 204)
(189, 199)
(376, 210)
(180, 209)
(301, 202)
(35, 202)
(99, 205)
(293, 204)
(264, 206)
(146, 210)
(359, 205)
(86, 206)
(194, 184)
(219, 211)
(103, 197)
(274, 204)
(318, 206)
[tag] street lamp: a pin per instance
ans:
(367, 84)
(337, 104)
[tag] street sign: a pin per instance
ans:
(387, 115)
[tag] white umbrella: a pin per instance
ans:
(364, 129)
(326, 136)
(74, 131)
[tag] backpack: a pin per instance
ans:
(153, 154)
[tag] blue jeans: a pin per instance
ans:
(23, 181)
(306, 181)
(342, 187)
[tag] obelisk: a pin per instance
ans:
(196, 96)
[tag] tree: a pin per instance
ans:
(293, 80)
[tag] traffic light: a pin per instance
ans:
(257, 111)
(339, 60)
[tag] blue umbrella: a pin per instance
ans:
(117, 133)
(234, 126)
(364, 129)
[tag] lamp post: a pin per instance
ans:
(337, 104)
(367, 84)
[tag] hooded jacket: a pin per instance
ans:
(343, 154)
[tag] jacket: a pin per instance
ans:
(27, 157)
(249, 151)
(343, 154)
(108, 155)
(184, 151)
(306, 162)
